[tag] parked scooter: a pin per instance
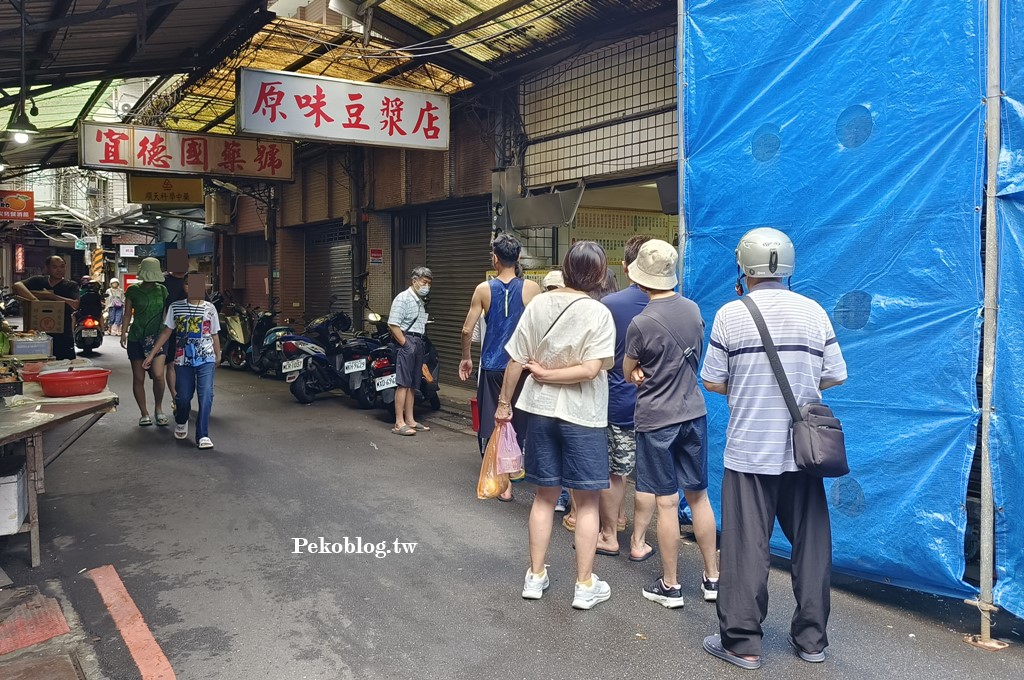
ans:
(316, 365)
(10, 304)
(357, 362)
(383, 362)
(262, 354)
(235, 332)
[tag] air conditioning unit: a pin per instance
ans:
(218, 212)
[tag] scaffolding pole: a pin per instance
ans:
(993, 100)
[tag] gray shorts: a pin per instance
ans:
(621, 450)
(410, 362)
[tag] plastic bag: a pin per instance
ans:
(491, 484)
(510, 458)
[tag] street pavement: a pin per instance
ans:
(204, 541)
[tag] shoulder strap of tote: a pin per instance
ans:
(585, 297)
(773, 357)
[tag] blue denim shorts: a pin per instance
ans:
(563, 454)
(673, 458)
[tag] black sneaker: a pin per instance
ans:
(663, 595)
(709, 588)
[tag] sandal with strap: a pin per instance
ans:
(145, 421)
(161, 419)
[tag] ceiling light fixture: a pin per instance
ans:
(21, 126)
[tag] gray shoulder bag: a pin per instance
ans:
(819, 447)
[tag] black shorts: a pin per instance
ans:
(138, 350)
(673, 458)
(409, 372)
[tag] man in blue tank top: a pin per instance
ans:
(500, 302)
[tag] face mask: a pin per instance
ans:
(423, 291)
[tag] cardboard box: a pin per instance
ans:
(13, 495)
(43, 315)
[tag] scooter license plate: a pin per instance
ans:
(386, 382)
(90, 333)
(353, 366)
(292, 365)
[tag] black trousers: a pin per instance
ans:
(64, 344)
(750, 505)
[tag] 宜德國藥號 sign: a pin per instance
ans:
(17, 206)
(312, 107)
(130, 148)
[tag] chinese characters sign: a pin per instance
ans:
(143, 149)
(311, 107)
(165, 190)
(18, 206)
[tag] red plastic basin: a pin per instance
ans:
(74, 383)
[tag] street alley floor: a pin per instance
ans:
(203, 543)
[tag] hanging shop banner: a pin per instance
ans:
(799, 116)
(168, 190)
(17, 206)
(142, 149)
(312, 107)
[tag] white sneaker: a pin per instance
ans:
(586, 598)
(534, 587)
(205, 443)
(180, 431)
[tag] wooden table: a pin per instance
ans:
(27, 424)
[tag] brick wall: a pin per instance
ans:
(386, 174)
(378, 284)
(289, 261)
(472, 156)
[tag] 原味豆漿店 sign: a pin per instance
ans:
(299, 106)
(129, 148)
(17, 206)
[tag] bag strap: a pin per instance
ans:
(579, 299)
(689, 353)
(773, 358)
(417, 317)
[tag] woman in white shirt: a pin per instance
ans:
(566, 341)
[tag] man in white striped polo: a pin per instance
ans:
(762, 482)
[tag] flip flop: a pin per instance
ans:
(571, 526)
(505, 500)
(419, 427)
(145, 421)
(599, 551)
(404, 431)
(646, 556)
(713, 646)
(161, 419)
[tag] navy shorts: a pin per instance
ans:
(673, 458)
(565, 454)
(409, 371)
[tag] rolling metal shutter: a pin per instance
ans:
(328, 270)
(459, 255)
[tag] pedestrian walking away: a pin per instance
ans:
(195, 324)
(624, 306)
(762, 483)
(407, 323)
(500, 302)
(142, 323)
(566, 342)
(174, 282)
(663, 348)
(53, 286)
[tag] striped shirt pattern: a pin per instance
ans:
(758, 438)
(408, 312)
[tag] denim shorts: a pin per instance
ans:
(673, 458)
(564, 454)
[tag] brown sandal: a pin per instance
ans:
(571, 526)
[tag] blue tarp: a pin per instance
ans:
(857, 128)
(1008, 424)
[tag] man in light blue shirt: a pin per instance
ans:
(407, 322)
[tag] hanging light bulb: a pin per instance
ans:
(21, 126)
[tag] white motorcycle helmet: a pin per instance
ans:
(766, 253)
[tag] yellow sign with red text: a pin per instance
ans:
(17, 206)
